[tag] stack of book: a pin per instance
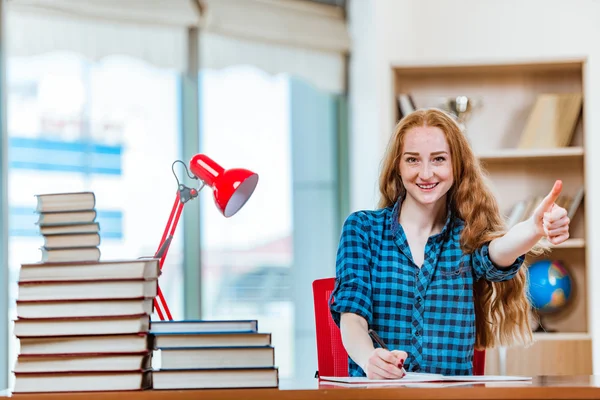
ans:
(83, 326)
(67, 222)
(212, 354)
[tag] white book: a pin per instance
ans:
(87, 290)
(81, 326)
(105, 344)
(90, 270)
(83, 308)
(215, 378)
(81, 381)
(83, 362)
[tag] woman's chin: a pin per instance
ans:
(427, 198)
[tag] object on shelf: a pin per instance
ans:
(524, 208)
(406, 105)
(462, 107)
(550, 288)
(552, 121)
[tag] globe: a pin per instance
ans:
(549, 286)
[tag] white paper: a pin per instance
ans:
(414, 377)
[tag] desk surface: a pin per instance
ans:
(557, 387)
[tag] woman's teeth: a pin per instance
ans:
(428, 186)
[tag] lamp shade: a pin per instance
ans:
(231, 188)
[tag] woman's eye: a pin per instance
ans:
(411, 160)
(439, 159)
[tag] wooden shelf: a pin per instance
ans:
(561, 336)
(531, 154)
(573, 243)
(487, 67)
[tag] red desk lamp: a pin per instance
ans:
(231, 190)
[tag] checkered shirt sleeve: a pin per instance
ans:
(483, 267)
(353, 276)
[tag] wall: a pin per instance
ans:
(386, 32)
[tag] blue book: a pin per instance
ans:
(210, 339)
(199, 326)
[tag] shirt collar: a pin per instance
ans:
(395, 224)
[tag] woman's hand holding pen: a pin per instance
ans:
(378, 363)
(385, 364)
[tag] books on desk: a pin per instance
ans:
(84, 326)
(212, 354)
(67, 222)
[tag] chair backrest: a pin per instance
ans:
(332, 358)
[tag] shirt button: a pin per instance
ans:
(419, 299)
(418, 333)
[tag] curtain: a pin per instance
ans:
(150, 30)
(299, 38)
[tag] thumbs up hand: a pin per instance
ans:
(551, 220)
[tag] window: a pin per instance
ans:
(111, 127)
(260, 263)
(246, 259)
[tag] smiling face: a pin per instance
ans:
(425, 165)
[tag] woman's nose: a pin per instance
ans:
(426, 172)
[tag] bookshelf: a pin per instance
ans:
(531, 155)
(507, 93)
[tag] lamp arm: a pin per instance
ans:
(184, 194)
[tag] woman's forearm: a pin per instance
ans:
(519, 240)
(356, 339)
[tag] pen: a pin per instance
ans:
(377, 339)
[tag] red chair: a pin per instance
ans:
(332, 358)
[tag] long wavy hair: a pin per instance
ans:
(502, 309)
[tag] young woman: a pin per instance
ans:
(433, 271)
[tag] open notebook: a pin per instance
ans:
(414, 377)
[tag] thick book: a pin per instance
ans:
(204, 326)
(74, 201)
(217, 357)
(66, 218)
(83, 362)
(71, 241)
(70, 254)
(81, 326)
(83, 308)
(81, 381)
(146, 269)
(49, 230)
(129, 343)
(87, 290)
(209, 339)
(216, 378)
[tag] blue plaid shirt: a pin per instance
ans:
(427, 312)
